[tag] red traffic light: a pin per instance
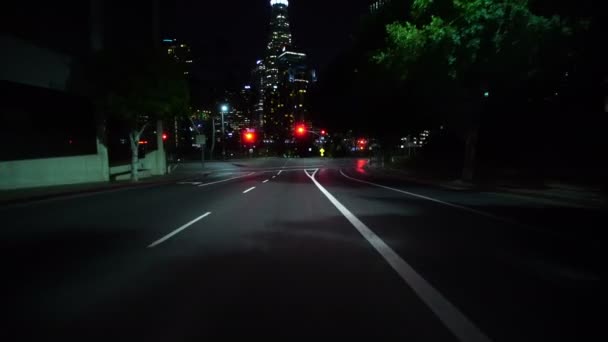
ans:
(323, 132)
(249, 137)
(301, 130)
(165, 137)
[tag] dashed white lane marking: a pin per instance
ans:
(278, 174)
(248, 190)
(178, 230)
(227, 180)
(266, 181)
(190, 183)
(273, 177)
(448, 314)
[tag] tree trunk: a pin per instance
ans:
(470, 153)
(212, 137)
(161, 158)
(101, 144)
(134, 137)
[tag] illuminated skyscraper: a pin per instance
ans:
(280, 40)
(377, 5)
(281, 79)
(181, 53)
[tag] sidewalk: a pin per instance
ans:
(554, 191)
(180, 172)
(44, 193)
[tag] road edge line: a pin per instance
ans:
(452, 205)
(453, 319)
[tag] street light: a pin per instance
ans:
(224, 109)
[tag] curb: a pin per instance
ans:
(588, 203)
(90, 191)
(443, 184)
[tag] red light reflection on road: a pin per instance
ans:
(361, 163)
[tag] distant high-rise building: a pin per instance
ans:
(376, 5)
(282, 79)
(280, 39)
(295, 79)
(247, 105)
(267, 73)
(258, 76)
(181, 53)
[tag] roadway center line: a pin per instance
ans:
(227, 180)
(177, 231)
(266, 181)
(454, 320)
(248, 190)
(456, 206)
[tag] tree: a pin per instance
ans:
(137, 86)
(457, 52)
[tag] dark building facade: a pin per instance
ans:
(181, 52)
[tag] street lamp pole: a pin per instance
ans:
(223, 110)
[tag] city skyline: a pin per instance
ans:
(319, 29)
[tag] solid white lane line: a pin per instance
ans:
(248, 190)
(266, 181)
(177, 231)
(226, 180)
(471, 210)
(448, 314)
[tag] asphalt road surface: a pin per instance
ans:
(301, 249)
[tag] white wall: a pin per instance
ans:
(51, 171)
(69, 170)
(152, 165)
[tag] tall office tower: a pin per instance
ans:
(280, 40)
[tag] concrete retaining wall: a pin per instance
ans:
(51, 171)
(73, 170)
(152, 165)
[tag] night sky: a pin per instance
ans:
(227, 36)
